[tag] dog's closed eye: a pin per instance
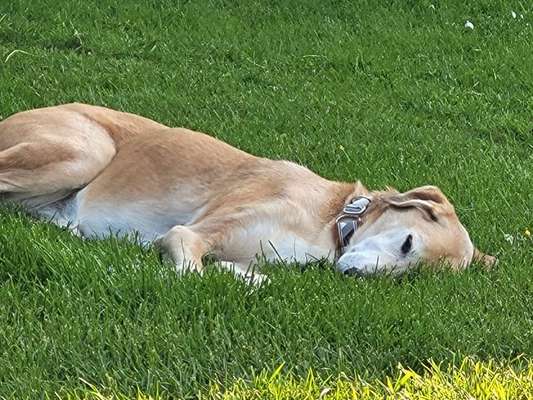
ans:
(407, 244)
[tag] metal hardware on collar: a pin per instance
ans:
(349, 220)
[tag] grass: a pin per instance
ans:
(469, 380)
(392, 93)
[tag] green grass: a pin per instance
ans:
(395, 93)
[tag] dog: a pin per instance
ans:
(102, 172)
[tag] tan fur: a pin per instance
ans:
(198, 194)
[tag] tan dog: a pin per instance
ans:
(100, 171)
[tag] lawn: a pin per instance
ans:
(395, 93)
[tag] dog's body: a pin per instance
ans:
(100, 171)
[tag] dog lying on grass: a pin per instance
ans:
(100, 172)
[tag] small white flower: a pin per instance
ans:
(432, 6)
(513, 14)
(522, 16)
(469, 25)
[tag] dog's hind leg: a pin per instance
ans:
(40, 169)
(32, 169)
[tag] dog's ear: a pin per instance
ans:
(427, 198)
(486, 260)
(427, 193)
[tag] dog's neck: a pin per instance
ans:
(339, 197)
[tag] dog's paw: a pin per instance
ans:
(257, 280)
(246, 273)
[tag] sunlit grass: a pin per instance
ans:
(469, 380)
(480, 380)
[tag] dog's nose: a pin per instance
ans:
(352, 272)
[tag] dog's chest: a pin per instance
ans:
(274, 240)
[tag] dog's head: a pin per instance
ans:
(400, 230)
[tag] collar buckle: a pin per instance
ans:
(357, 206)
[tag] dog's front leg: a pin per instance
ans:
(183, 247)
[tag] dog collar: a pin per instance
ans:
(350, 218)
